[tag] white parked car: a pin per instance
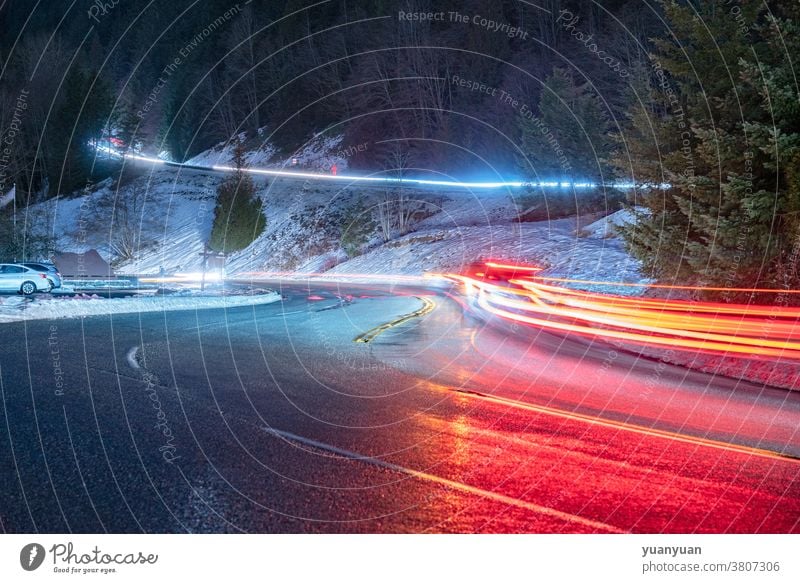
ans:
(15, 277)
(47, 267)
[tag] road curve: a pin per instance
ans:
(272, 419)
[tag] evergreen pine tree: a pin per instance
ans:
(238, 217)
(774, 136)
(126, 124)
(569, 137)
(704, 122)
(84, 110)
(657, 236)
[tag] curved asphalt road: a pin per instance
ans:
(271, 419)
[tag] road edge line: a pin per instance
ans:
(452, 484)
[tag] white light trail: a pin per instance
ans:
(409, 182)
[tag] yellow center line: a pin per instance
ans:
(427, 307)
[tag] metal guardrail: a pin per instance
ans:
(101, 281)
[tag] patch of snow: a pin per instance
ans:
(318, 154)
(221, 154)
(608, 226)
(15, 309)
(462, 209)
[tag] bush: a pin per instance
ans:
(357, 227)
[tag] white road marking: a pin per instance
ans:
(132, 358)
(552, 512)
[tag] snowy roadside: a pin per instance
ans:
(18, 309)
(552, 245)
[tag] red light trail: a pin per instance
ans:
(711, 327)
(661, 285)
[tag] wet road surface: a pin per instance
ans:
(272, 419)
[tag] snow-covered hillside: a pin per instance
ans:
(552, 244)
(445, 230)
(166, 214)
(318, 154)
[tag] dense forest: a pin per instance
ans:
(695, 102)
(182, 76)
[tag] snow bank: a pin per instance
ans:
(608, 226)
(16, 309)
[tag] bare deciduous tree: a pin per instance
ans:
(124, 220)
